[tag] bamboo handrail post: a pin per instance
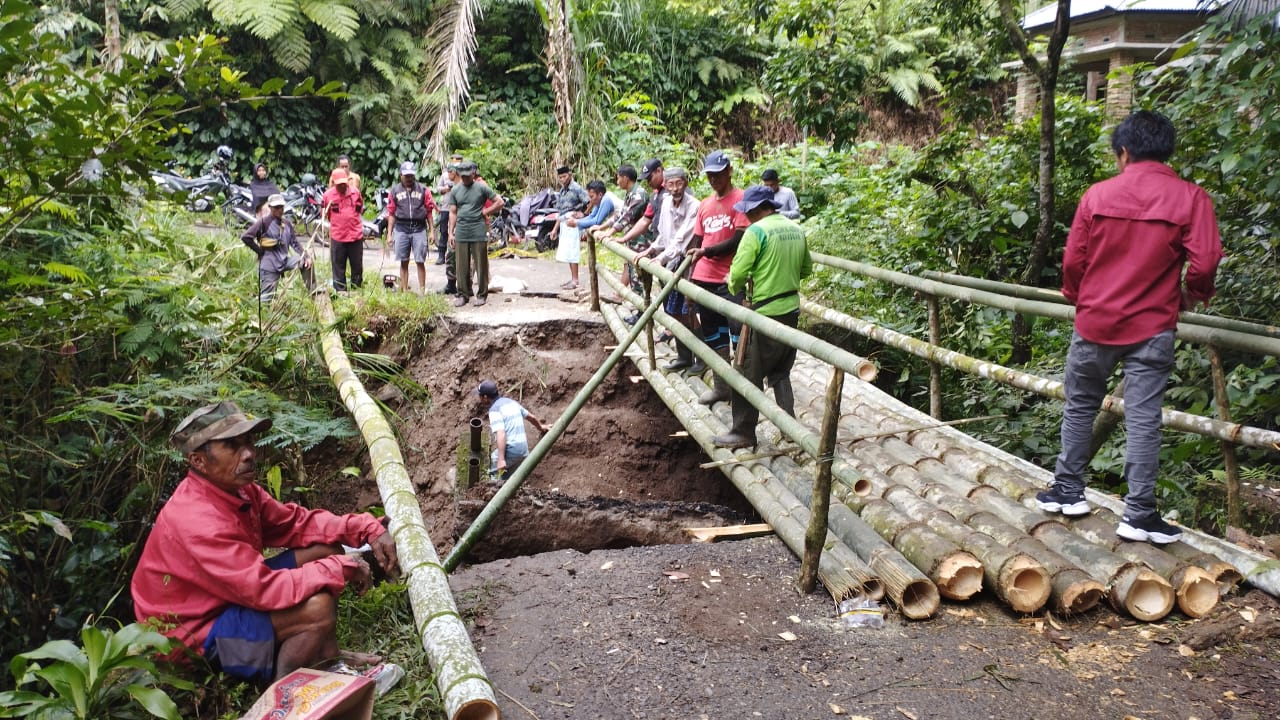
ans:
(1229, 465)
(646, 281)
(517, 478)
(591, 270)
(935, 368)
(820, 505)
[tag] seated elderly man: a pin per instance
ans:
(203, 579)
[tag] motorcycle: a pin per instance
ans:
(377, 227)
(303, 202)
(505, 227)
(237, 208)
(199, 194)
(537, 214)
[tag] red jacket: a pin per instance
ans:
(205, 554)
(1130, 239)
(344, 214)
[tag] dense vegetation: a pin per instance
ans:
(118, 317)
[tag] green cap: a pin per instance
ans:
(220, 421)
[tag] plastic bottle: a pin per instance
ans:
(861, 612)
(384, 677)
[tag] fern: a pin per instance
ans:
(337, 17)
(182, 9)
(291, 48)
(70, 272)
(265, 19)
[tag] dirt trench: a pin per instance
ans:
(620, 476)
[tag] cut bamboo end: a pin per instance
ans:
(867, 371)
(919, 600)
(478, 710)
(1080, 596)
(1024, 584)
(1197, 593)
(873, 589)
(959, 577)
(1141, 593)
(861, 487)
(1226, 576)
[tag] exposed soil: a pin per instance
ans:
(630, 623)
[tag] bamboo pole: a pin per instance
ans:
(463, 685)
(821, 499)
(935, 368)
(513, 483)
(1196, 333)
(1229, 465)
(1053, 296)
(591, 271)
(858, 367)
(646, 280)
(1175, 419)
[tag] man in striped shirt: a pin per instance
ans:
(506, 421)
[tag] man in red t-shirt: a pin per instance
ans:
(343, 207)
(716, 235)
(1123, 269)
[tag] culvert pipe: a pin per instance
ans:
(789, 426)
(464, 687)
(856, 366)
(517, 478)
(473, 471)
(477, 428)
(841, 571)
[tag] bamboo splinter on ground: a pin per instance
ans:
(464, 687)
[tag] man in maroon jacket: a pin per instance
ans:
(1123, 269)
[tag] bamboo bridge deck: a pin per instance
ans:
(950, 514)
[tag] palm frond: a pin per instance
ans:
(451, 45)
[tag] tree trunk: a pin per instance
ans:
(1046, 72)
(111, 52)
(560, 66)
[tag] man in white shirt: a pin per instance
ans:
(785, 197)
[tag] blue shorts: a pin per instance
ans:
(406, 243)
(242, 641)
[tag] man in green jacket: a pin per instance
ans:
(774, 256)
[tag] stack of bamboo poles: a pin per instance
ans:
(463, 684)
(951, 523)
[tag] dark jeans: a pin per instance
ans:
(766, 359)
(342, 254)
(1147, 365)
(442, 237)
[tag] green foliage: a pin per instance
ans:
(381, 621)
(110, 674)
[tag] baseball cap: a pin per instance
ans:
(467, 169)
(408, 168)
(755, 196)
(219, 421)
(275, 200)
(649, 166)
(488, 388)
(715, 162)
(338, 177)
(627, 171)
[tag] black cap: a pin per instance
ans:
(627, 171)
(488, 389)
(649, 166)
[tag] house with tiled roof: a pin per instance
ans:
(1107, 36)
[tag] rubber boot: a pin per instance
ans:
(684, 358)
(719, 391)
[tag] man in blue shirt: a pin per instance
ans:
(506, 421)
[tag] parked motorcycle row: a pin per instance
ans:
(214, 191)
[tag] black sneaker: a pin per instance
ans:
(1055, 500)
(1151, 528)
